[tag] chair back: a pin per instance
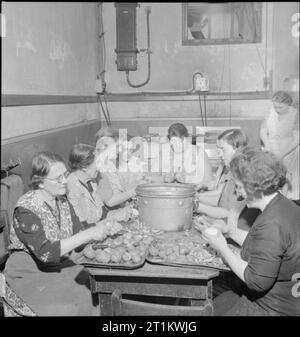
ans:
(12, 188)
(13, 305)
(126, 307)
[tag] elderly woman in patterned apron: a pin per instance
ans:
(45, 233)
(280, 135)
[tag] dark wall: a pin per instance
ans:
(59, 142)
(62, 141)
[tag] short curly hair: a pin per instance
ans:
(81, 156)
(41, 164)
(259, 172)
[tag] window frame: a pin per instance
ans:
(186, 41)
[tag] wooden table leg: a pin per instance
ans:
(105, 304)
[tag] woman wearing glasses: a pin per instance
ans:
(45, 231)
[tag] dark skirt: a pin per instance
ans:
(230, 303)
(62, 291)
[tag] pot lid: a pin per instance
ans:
(166, 190)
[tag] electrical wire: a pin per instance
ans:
(103, 111)
(99, 112)
(201, 112)
(205, 118)
(107, 111)
(229, 71)
(229, 78)
(266, 44)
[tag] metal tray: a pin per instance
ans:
(187, 265)
(90, 263)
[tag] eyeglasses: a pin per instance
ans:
(60, 178)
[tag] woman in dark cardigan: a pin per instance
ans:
(270, 254)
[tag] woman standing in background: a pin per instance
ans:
(280, 135)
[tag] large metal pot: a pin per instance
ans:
(168, 207)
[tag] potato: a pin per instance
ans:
(183, 250)
(148, 240)
(153, 251)
(113, 227)
(211, 231)
(136, 258)
(117, 242)
(99, 253)
(137, 238)
(142, 247)
(162, 254)
(172, 257)
(126, 257)
(128, 236)
(181, 259)
(169, 250)
(176, 249)
(108, 250)
(106, 257)
(129, 247)
(89, 252)
(116, 257)
(121, 250)
(190, 259)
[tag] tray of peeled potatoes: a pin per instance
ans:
(126, 249)
(185, 249)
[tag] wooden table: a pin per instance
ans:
(194, 284)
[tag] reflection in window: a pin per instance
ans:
(231, 22)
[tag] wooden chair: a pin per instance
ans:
(4, 237)
(13, 305)
(126, 307)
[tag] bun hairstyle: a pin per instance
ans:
(177, 130)
(41, 164)
(81, 156)
(260, 172)
(107, 132)
(234, 137)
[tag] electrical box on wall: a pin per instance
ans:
(200, 82)
(126, 36)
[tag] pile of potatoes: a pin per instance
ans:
(182, 251)
(128, 248)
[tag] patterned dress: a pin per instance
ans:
(51, 284)
(86, 198)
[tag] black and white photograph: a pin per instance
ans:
(149, 163)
